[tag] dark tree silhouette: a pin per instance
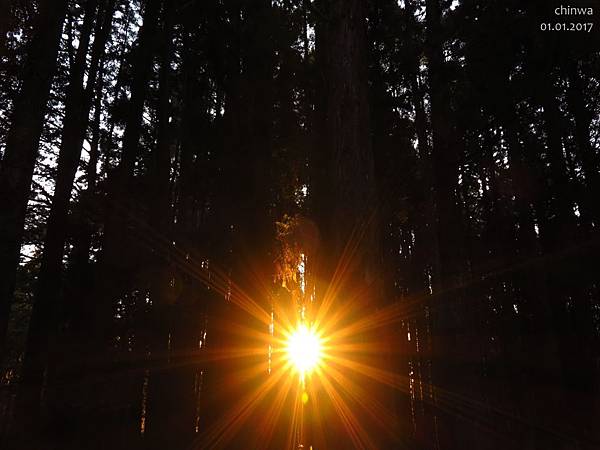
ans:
(184, 184)
(22, 144)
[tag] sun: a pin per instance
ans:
(304, 349)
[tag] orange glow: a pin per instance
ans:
(304, 350)
(333, 342)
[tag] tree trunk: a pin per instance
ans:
(46, 305)
(447, 311)
(169, 415)
(118, 254)
(344, 187)
(78, 279)
(243, 229)
(22, 143)
(142, 69)
(425, 254)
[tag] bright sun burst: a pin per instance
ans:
(304, 349)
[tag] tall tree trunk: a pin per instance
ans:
(582, 327)
(568, 276)
(78, 278)
(243, 227)
(348, 137)
(345, 189)
(169, 415)
(22, 143)
(538, 351)
(445, 161)
(143, 52)
(123, 248)
(117, 259)
(426, 240)
(46, 305)
(142, 69)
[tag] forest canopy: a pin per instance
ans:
(195, 192)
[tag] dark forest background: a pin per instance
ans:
(170, 166)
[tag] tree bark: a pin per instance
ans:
(345, 193)
(344, 182)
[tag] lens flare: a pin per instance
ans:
(304, 349)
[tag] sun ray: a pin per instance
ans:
(385, 377)
(269, 421)
(386, 316)
(315, 408)
(344, 265)
(378, 412)
(226, 427)
(296, 420)
(357, 434)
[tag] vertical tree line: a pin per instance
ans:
(175, 172)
